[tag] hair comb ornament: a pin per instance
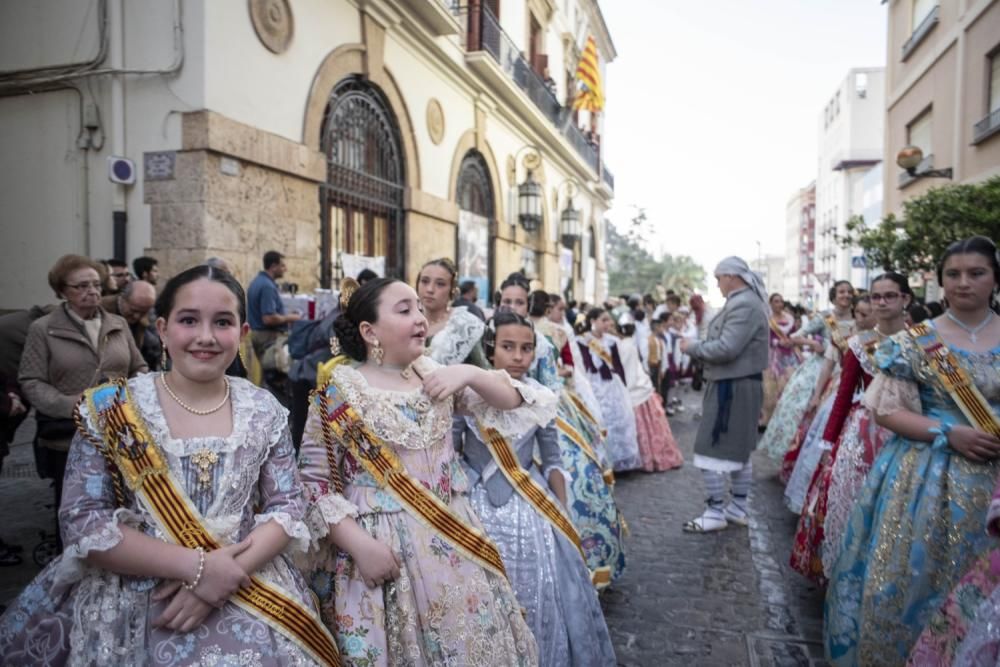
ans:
(348, 286)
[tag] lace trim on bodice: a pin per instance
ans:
(407, 419)
(857, 343)
(453, 344)
(538, 409)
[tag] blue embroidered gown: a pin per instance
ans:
(918, 523)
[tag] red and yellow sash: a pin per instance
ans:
(342, 423)
(955, 379)
(145, 471)
(519, 478)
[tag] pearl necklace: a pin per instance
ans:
(972, 331)
(163, 381)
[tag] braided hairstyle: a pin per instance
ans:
(539, 303)
(362, 307)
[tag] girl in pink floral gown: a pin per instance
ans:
(393, 589)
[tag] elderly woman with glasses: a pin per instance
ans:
(72, 348)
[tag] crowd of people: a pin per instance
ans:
(885, 416)
(440, 492)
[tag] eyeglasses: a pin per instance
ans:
(888, 297)
(95, 285)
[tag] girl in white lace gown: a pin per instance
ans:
(115, 596)
(454, 334)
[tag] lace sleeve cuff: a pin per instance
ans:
(538, 408)
(294, 528)
(327, 509)
(887, 395)
(72, 564)
(565, 475)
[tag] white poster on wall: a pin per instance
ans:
(352, 265)
(474, 252)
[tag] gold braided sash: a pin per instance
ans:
(835, 336)
(527, 487)
(956, 379)
(599, 350)
(344, 423)
(146, 473)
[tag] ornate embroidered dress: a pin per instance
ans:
(548, 573)
(607, 378)
(782, 362)
(850, 432)
(918, 523)
(589, 491)
(445, 608)
(787, 416)
(75, 613)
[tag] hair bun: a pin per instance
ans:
(349, 337)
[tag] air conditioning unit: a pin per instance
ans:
(121, 170)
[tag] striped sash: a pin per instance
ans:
(527, 487)
(343, 423)
(835, 336)
(955, 379)
(145, 471)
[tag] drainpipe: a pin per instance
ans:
(116, 58)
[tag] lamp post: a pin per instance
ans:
(909, 159)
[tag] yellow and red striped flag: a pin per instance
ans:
(590, 97)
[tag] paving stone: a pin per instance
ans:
(727, 598)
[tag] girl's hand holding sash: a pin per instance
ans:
(973, 444)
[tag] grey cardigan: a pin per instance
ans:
(480, 467)
(736, 344)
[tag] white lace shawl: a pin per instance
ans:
(538, 408)
(453, 344)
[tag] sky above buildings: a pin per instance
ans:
(712, 112)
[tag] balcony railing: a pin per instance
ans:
(484, 33)
(924, 29)
(608, 177)
(987, 127)
(498, 44)
(581, 143)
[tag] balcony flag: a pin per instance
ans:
(590, 97)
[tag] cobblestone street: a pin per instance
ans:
(723, 599)
(726, 598)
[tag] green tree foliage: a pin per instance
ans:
(929, 224)
(632, 269)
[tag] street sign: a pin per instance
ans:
(858, 262)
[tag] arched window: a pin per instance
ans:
(476, 222)
(362, 199)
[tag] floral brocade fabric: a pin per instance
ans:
(77, 614)
(444, 609)
(918, 523)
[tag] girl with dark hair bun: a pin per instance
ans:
(825, 335)
(393, 577)
(454, 334)
(850, 438)
(607, 379)
(550, 577)
(128, 589)
(918, 523)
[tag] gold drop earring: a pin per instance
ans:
(163, 355)
(377, 353)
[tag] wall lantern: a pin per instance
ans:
(569, 224)
(529, 204)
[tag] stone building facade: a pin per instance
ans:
(401, 129)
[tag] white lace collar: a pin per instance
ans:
(407, 419)
(243, 399)
(453, 344)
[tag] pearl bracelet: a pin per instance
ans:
(201, 570)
